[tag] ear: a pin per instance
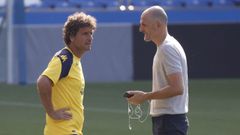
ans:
(71, 38)
(159, 24)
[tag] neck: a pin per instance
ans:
(76, 51)
(161, 40)
(161, 37)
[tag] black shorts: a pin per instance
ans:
(167, 124)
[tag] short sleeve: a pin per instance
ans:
(171, 61)
(53, 70)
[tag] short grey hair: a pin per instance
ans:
(158, 12)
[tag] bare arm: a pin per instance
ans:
(174, 88)
(44, 85)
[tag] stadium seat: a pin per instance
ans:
(53, 4)
(155, 2)
(198, 3)
(82, 3)
(107, 3)
(2, 6)
(222, 2)
(139, 3)
(172, 3)
(48, 3)
(63, 4)
(236, 2)
(114, 4)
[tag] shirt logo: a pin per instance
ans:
(64, 57)
(81, 92)
(74, 132)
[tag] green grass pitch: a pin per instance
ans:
(214, 109)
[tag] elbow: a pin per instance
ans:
(179, 91)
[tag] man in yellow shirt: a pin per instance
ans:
(61, 85)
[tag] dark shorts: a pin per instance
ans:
(170, 124)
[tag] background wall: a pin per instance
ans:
(109, 60)
(212, 50)
(119, 52)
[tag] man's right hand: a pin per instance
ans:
(61, 114)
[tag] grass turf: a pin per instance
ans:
(214, 109)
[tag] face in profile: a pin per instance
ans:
(145, 28)
(83, 39)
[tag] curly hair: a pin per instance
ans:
(75, 22)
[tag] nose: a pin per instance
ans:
(91, 37)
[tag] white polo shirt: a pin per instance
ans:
(169, 58)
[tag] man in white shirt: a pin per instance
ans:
(169, 95)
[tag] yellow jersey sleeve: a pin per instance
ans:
(53, 70)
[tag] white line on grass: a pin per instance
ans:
(19, 104)
(32, 105)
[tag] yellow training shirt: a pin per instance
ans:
(66, 92)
